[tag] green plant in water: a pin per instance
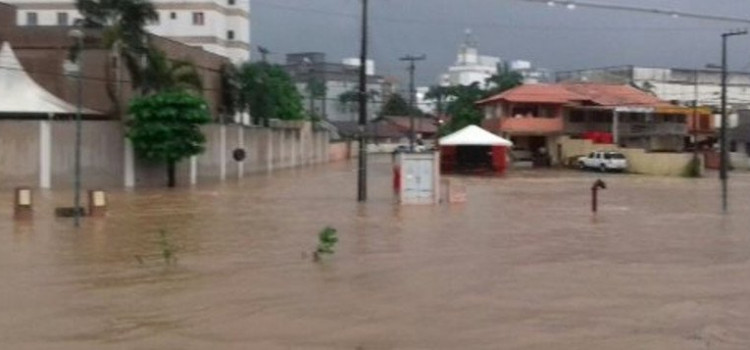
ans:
(327, 239)
(693, 168)
(167, 248)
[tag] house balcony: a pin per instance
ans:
(631, 129)
(659, 129)
(525, 126)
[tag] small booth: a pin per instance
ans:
(473, 150)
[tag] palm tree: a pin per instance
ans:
(232, 101)
(349, 100)
(163, 74)
(505, 79)
(123, 25)
(316, 89)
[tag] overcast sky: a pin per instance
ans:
(550, 37)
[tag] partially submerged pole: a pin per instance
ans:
(594, 194)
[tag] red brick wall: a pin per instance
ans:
(43, 50)
(7, 17)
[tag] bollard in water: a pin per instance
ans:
(97, 203)
(594, 194)
(22, 204)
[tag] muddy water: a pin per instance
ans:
(522, 265)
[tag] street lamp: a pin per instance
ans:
(78, 36)
(723, 133)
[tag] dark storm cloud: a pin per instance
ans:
(551, 37)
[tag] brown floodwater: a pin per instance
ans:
(521, 265)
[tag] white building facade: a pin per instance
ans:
(218, 26)
(470, 67)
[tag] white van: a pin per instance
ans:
(604, 161)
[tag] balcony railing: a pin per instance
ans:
(630, 129)
(531, 125)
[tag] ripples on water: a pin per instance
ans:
(522, 265)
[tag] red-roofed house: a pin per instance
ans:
(534, 117)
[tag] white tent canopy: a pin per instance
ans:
(22, 95)
(473, 135)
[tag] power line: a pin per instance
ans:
(570, 4)
(493, 25)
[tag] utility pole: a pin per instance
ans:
(695, 116)
(723, 133)
(412, 94)
(362, 173)
(78, 36)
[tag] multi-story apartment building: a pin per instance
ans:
(218, 26)
(338, 80)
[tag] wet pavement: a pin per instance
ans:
(522, 265)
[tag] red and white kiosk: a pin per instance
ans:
(473, 150)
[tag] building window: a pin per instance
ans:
(173, 15)
(602, 117)
(31, 19)
(158, 18)
(525, 111)
(198, 19)
(62, 18)
(577, 117)
(231, 2)
(230, 34)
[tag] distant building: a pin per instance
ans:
(470, 67)
(536, 116)
(339, 79)
(678, 85)
(222, 27)
(530, 74)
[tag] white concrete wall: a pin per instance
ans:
(639, 161)
(739, 160)
(40, 154)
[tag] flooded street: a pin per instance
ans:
(522, 265)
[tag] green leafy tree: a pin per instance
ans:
(462, 107)
(441, 95)
(505, 79)
(163, 74)
(459, 103)
(396, 105)
(316, 89)
(646, 87)
(268, 92)
(349, 100)
(231, 102)
(165, 128)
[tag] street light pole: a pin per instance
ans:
(78, 35)
(723, 131)
(412, 95)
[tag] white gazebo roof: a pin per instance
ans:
(473, 135)
(22, 95)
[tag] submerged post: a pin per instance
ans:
(594, 194)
